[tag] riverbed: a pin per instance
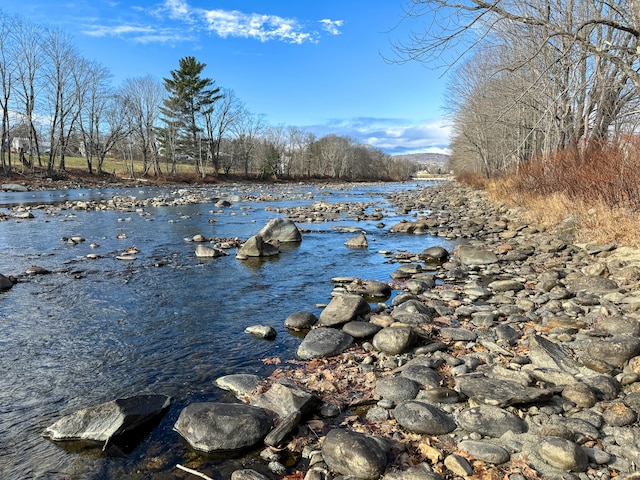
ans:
(167, 322)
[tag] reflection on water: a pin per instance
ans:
(168, 323)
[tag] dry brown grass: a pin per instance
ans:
(598, 189)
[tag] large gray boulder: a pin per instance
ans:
(472, 255)
(355, 454)
(284, 398)
(420, 417)
(5, 283)
(280, 230)
(256, 246)
(324, 342)
(108, 420)
(217, 427)
(342, 309)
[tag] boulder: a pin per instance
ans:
(369, 288)
(203, 251)
(355, 454)
(280, 230)
(394, 340)
(357, 242)
(14, 187)
(300, 321)
(261, 331)
(342, 309)
(361, 329)
(563, 454)
(397, 389)
(434, 255)
(108, 420)
(257, 247)
(324, 342)
(240, 384)
(500, 393)
(216, 427)
(5, 283)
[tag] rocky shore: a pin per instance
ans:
(515, 356)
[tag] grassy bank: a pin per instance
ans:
(596, 192)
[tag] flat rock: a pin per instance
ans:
(284, 399)
(485, 451)
(355, 454)
(614, 350)
(203, 251)
(323, 342)
(108, 420)
(359, 241)
(420, 417)
(361, 329)
(240, 384)
(471, 255)
(214, 427)
(490, 421)
(266, 332)
(500, 393)
(422, 375)
(342, 309)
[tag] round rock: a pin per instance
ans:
(490, 421)
(563, 454)
(394, 340)
(361, 329)
(354, 454)
(397, 389)
(300, 321)
(485, 451)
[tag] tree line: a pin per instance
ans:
(531, 78)
(55, 104)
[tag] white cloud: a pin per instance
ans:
(391, 135)
(332, 26)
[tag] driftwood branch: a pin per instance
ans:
(193, 472)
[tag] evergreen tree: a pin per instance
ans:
(190, 98)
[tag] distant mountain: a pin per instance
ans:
(425, 159)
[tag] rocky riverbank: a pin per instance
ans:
(514, 356)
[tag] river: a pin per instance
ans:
(168, 322)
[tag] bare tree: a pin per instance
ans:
(219, 121)
(246, 132)
(8, 60)
(141, 98)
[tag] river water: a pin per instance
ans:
(96, 330)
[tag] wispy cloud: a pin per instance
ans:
(137, 33)
(331, 26)
(391, 135)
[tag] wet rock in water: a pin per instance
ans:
(397, 389)
(420, 417)
(248, 474)
(369, 288)
(36, 270)
(434, 255)
(198, 238)
(357, 242)
(485, 451)
(215, 427)
(5, 283)
(261, 331)
(108, 420)
(563, 454)
(280, 230)
(323, 342)
(471, 255)
(361, 329)
(240, 383)
(342, 309)
(394, 340)
(490, 421)
(300, 321)
(285, 398)
(257, 247)
(203, 251)
(23, 215)
(355, 454)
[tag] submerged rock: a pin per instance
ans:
(108, 420)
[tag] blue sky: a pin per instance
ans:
(316, 65)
